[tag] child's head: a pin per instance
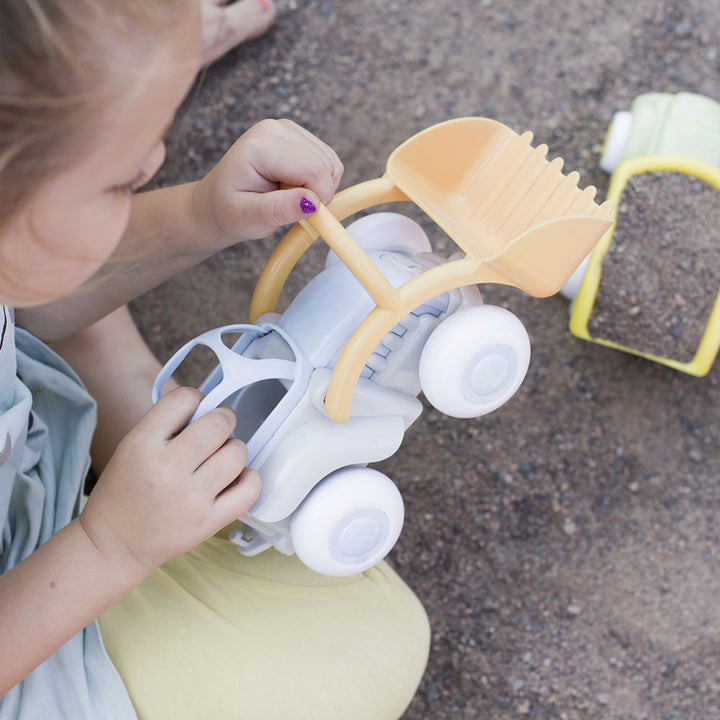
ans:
(87, 89)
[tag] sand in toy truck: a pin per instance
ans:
(330, 385)
(651, 285)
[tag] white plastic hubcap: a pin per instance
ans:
(489, 373)
(359, 535)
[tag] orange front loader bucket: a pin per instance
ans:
(517, 218)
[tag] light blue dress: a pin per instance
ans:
(47, 420)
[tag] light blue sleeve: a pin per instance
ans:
(46, 423)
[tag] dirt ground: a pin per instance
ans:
(566, 547)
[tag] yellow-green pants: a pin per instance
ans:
(216, 635)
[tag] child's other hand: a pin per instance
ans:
(169, 487)
(241, 199)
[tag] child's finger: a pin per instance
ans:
(204, 436)
(238, 498)
(301, 167)
(267, 211)
(332, 159)
(169, 415)
(296, 157)
(224, 466)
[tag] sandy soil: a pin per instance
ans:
(666, 233)
(566, 547)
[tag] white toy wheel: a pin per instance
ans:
(348, 523)
(616, 139)
(386, 231)
(474, 361)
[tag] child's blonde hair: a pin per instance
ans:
(55, 57)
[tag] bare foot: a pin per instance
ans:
(227, 24)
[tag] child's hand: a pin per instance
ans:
(240, 198)
(166, 489)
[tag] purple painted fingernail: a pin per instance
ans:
(307, 206)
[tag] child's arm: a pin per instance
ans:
(164, 490)
(173, 229)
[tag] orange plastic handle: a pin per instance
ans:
(302, 235)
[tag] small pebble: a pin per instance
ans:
(569, 527)
(518, 685)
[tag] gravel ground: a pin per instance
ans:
(565, 547)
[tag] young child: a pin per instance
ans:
(189, 628)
